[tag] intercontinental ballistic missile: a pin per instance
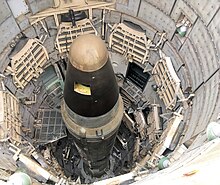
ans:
(92, 108)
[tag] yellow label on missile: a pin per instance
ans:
(82, 89)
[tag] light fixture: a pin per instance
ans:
(19, 178)
(213, 131)
(163, 163)
(182, 30)
(183, 24)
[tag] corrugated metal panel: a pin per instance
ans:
(205, 48)
(214, 29)
(157, 19)
(131, 8)
(8, 32)
(186, 82)
(165, 6)
(211, 90)
(39, 5)
(197, 110)
(4, 11)
(177, 42)
(182, 8)
(18, 7)
(206, 9)
(113, 17)
(190, 56)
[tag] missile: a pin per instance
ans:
(92, 108)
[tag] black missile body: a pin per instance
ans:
(92, 108)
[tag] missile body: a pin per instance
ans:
(92, 108)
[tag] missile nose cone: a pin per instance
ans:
(90, 80)
(88, 53)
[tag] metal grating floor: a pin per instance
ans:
(51, 126)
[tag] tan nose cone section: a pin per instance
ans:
(86, 58)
